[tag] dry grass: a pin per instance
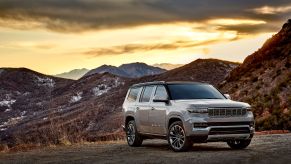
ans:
(272, 132)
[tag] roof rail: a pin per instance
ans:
(169, 82)
(149, 83)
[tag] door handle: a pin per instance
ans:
(153, 108)
(137, 108)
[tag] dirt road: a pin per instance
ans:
(263, 149)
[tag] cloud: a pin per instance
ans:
(206, 51)
(132, 48)
(31, 45)
(272, 10)
(248, 29)
(236, 22)
(85, 15)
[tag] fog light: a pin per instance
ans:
(200, 125)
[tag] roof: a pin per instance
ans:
(164, 82)
(149, 83)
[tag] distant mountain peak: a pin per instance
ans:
(135, 63)
(130, 70)
(105, 65)
(73, 74)
(167, 66)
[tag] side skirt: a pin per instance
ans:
(153, 136)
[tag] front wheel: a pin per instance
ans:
(177, 138)
(238, 144)
(132, 136)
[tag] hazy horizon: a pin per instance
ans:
(67, 71)
(52, 36)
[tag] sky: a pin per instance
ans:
(54, 36)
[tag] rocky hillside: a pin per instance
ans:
(24, 92)
(71, 111)
(264, 81)
(131, 70)
(211, 71)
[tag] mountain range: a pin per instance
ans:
(41, 109)
(131, 70)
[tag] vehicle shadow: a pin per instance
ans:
(194, 148)
(209, 148)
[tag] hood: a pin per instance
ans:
(210, 103)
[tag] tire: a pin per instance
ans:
(238, 144)
(133, 138)
(177, 138)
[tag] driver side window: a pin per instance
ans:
(161, 92)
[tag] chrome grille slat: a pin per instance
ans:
(226, 112)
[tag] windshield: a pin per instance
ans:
(194, 91)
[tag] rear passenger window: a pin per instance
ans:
(132, 96)
(146, 96)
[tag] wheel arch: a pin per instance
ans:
(128, 118)
(173, 119)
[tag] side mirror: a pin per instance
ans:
(227, 96)
(160, 99)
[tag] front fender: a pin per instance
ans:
(186, 122)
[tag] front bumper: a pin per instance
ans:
(222, 133)
(206, 129)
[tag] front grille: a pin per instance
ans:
(237, 130)
(226, 112)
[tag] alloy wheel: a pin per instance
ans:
(130, 133)
(177, 137)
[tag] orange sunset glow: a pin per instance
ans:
(57, 36)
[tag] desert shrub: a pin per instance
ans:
(276, 121)
(287, 64)
(289, 99)
(258, 87)
(3, 147)
(254, 79)
(285, 121)
(278, 72)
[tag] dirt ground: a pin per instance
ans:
(275, 148)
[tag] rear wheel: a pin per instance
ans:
(177, 138)
(132, 136)
(238, 144)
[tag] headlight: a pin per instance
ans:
(197, 110)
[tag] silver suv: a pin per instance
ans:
(183, 113)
